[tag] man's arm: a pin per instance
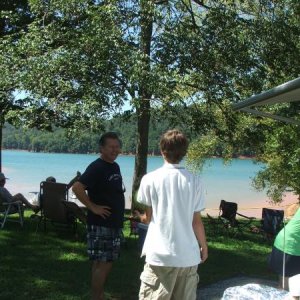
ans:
(79, 190)
(200, 235)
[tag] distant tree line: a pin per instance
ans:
(85, 141)
(62, 141)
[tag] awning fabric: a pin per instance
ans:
(284, 93)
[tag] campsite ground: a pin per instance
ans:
(53, 264)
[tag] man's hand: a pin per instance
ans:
(204, 253)
(101, 210)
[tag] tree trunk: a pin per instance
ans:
(1, 128)
(140, 167)
(143, 107)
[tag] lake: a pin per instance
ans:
(232, 182)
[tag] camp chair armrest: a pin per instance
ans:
(11, 203)
(249, 218)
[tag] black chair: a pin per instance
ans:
(228, 220)
(52, 196)
(271, 222)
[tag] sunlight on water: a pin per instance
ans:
(230, 182)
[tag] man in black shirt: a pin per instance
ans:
(100, 189)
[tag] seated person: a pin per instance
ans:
(69, 185)
(8, 197)
(73, 180)
(51, 179)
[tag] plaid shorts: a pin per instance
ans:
(103, 243)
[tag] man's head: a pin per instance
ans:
(51, 179)
(2, 179)
(173, 146)
(110, 146)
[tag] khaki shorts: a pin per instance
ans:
(163, 283)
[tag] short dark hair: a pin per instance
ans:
(108, 135)
(50, 179)
(174, 145)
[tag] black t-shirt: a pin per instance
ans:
(105, 187)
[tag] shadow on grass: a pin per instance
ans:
(244, 254)
(53, 264)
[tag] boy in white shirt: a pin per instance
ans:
(175, 243)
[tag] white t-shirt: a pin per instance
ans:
(174, 195)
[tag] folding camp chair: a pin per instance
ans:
(10, 208)
(271, 222)
(52, 196)
(228, 218)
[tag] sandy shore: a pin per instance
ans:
(255, 210)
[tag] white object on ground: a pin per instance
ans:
(254, 292)
(294, 285)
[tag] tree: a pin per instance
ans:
(190, 59)
(14, 17)
(272, 43)
(281, 155)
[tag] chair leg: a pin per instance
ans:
(2, 224)
(75, 226)
(5, 217)
(19, 211)
(21, 215)
(44, 224)
(38, 224)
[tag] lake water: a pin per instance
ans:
(232, 182)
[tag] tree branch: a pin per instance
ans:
(201, 3)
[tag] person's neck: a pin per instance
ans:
(106, 160)
(170, 162)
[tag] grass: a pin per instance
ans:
(53, 264)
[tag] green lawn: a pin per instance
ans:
(53, 264)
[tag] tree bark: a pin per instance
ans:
(1, 128)
(143, 106)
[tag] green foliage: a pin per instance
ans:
(61, 140)
(55, 265)
(82, 141)
(281, 155)
(14, 18)
(199, 150)
(80, 61)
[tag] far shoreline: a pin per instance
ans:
(242, 157)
